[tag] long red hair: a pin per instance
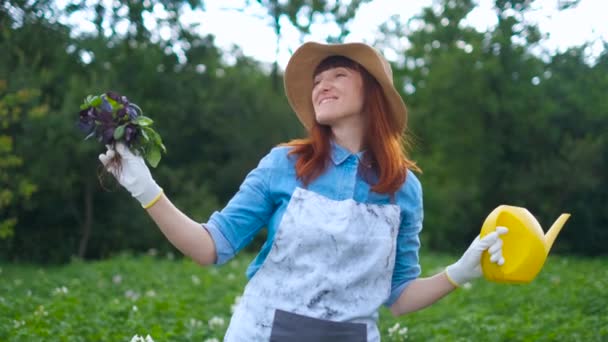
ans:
(385, 143)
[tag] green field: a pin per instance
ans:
(175, 300)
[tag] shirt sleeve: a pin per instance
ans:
(245, 214)
(407, 264)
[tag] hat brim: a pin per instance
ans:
(298, 78)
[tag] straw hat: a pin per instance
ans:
(298, 77)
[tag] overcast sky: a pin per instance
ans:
(251, 30)
(586, 22)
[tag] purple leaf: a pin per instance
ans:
(105, 106)
(130, 133)
(132, 112)
(117, 97)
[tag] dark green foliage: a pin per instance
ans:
(493, 124)
(496, 124)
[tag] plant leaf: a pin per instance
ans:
(119, 132)
(155, 137)
(145, 135)
(115, 105)
(92, 134)
(95, 101)
(143, 121)
(153, 155)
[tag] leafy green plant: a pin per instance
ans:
(112, 118)
(174, 299)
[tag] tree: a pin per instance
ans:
(490, 115)
(16, 189)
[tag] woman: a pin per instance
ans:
(342, 207)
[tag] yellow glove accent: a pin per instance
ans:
(451, 280)
(154, 200)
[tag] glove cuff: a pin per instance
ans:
(150, 195)
(455, 276)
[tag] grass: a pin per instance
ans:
(175, 300)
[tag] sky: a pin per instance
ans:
(587, 22)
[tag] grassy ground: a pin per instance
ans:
(175, 300)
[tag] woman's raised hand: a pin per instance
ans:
(132, 173)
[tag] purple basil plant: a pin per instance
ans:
(111, 118)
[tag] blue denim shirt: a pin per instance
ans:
(266, 191)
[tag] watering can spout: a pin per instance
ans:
(554, 230)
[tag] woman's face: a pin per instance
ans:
(337, 96)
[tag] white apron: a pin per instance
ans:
(330, 260)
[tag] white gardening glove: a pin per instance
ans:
(134, 175)
(468, 267)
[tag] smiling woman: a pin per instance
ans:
(342, 207)
(337, 94)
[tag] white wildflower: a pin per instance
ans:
(392, 330)
(195, 323)
(18, 324)
(130, 294)
(117, 279)
(237, 299)
(60, 290)
(403, 331)
(213, 339)
(216, 322)
(467, 286)
(40, 311)
(151, 293)
(196, 280)
(137, 338)
(134, 308)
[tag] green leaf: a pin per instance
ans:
(153, 155)
(95, 101)
(145, 135)
(115, 105)
(143, 121)
(155, 137)
(119, 132)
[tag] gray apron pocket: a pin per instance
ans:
(291, 327)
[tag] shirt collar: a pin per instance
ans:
(339, 154)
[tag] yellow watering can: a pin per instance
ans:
(525, 247)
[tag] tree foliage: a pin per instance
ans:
(497, 124)
(494, 123)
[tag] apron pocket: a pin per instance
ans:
(291, 327)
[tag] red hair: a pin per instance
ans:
(384, 141)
